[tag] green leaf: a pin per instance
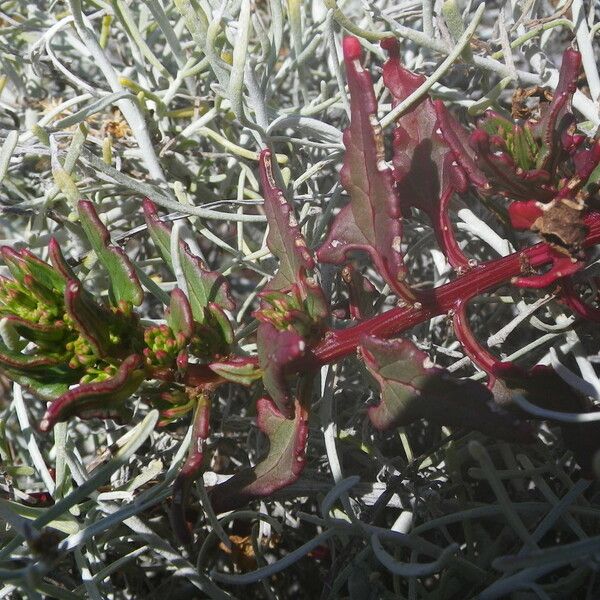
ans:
(240, 370)
(125, 285)
(44, 376)
(179, 316)
(204, 286)
(100, 399)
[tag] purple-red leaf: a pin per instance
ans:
(412, 388)
(428, 172)
(124, 282)
(361, 293)
(277, 349)
(101, 399)
(282, 465)
(285, 240)
(372, 221)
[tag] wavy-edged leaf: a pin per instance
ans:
(277, 349)
(372, 221)
(43, 375)
(556, 116)
(204, 286)
(426, 169)
(412, 388)
(285, 240)
(38, 332)
(124, 282)
(91, 320)
(282, 465)
(19, 360)
(101, 399)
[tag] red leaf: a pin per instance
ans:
(427, 169)
(280, 467)
(285, 240)
(372, 221)
(102, 399)
(412, 388)
(277, 349)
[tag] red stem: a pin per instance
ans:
(440, 300)
(337, 344)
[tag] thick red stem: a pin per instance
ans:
(337, 344)
(441, 300)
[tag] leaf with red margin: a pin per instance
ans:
(38, 332)
(204, 287)
(43, 273)
(179, 316)
(91, 320)
(372, 221)
(124, 282)
(282, 465)
(427, 168)
(543, 387)
(101, 399)
(411, 389)
(276, 350)
(285, 240)
(18, 264)
(59, 262)
(239, 369)
(556, 116)
(46, 383)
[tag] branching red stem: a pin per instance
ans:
(441, 300)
